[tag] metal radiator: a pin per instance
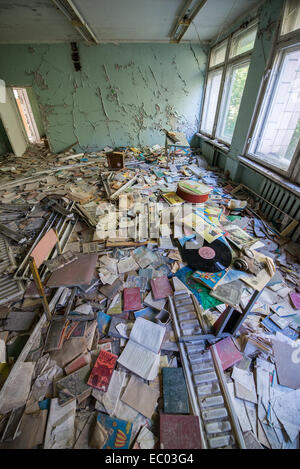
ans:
(285, 201)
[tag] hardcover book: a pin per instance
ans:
(161, 288)
(132, 299)
(175, 393)
(102, 371)
(228, 353)
(172, 198)
(73, 386)
(295, 299)
(179, 431)
(103, 321)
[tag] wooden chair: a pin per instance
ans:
(39, 254)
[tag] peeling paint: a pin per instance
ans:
(38, 80)
(122, 96)
(99, 94)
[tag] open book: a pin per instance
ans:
(141, 354)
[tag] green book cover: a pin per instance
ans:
(175, 391)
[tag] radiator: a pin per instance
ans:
(285, 201)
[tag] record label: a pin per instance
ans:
(211, 257)
(206, 253)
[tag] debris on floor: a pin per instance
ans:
(151, 258)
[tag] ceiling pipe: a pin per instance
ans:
(70, 11)
(184, 22)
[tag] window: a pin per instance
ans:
(291, 18)
(278, 130)
(218, 53)
(276, 134)
(233, 90)
(211, 100)
(243, 41)
(227, 73)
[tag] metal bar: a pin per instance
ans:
(266, 201)
(222, 381)
(194, 402)
(188, 375)
(224, 320)
(246, 311)
(219, 426)
(274, 212)
(272, 199)
(39, 287)
(197, 338)
(48, 223)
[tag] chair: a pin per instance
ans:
(39, 254)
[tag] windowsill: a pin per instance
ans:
(295, 188)
(215, 142)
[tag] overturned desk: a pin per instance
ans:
(171, 145)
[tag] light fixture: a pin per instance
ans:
(185, 18)
(70, 11)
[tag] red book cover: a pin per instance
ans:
(132, 299)
(228, 353)
(161, 287)
(102, 371)
(179, 431)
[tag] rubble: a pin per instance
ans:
(108, 367)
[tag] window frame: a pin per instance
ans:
(281, 44)
(227, 63)
(226, 95)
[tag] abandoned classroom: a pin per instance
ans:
(149, 224)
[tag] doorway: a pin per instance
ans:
(26, 113)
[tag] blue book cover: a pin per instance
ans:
(103, 321)
(146, 313)
(272, 327)
(119, 432)
(209, 279)
(233, 274)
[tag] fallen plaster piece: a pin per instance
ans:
(60, 430)
(15, 394)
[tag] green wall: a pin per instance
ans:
(5, 146)
(123, 95)
(36, 112)
(268, 15)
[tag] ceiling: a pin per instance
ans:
(40, 21)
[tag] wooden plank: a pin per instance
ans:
(22, 357)
(289, 228)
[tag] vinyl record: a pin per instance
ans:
(210, 257)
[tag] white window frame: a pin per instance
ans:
(225, 101)
(281, 44)
(240, 58)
